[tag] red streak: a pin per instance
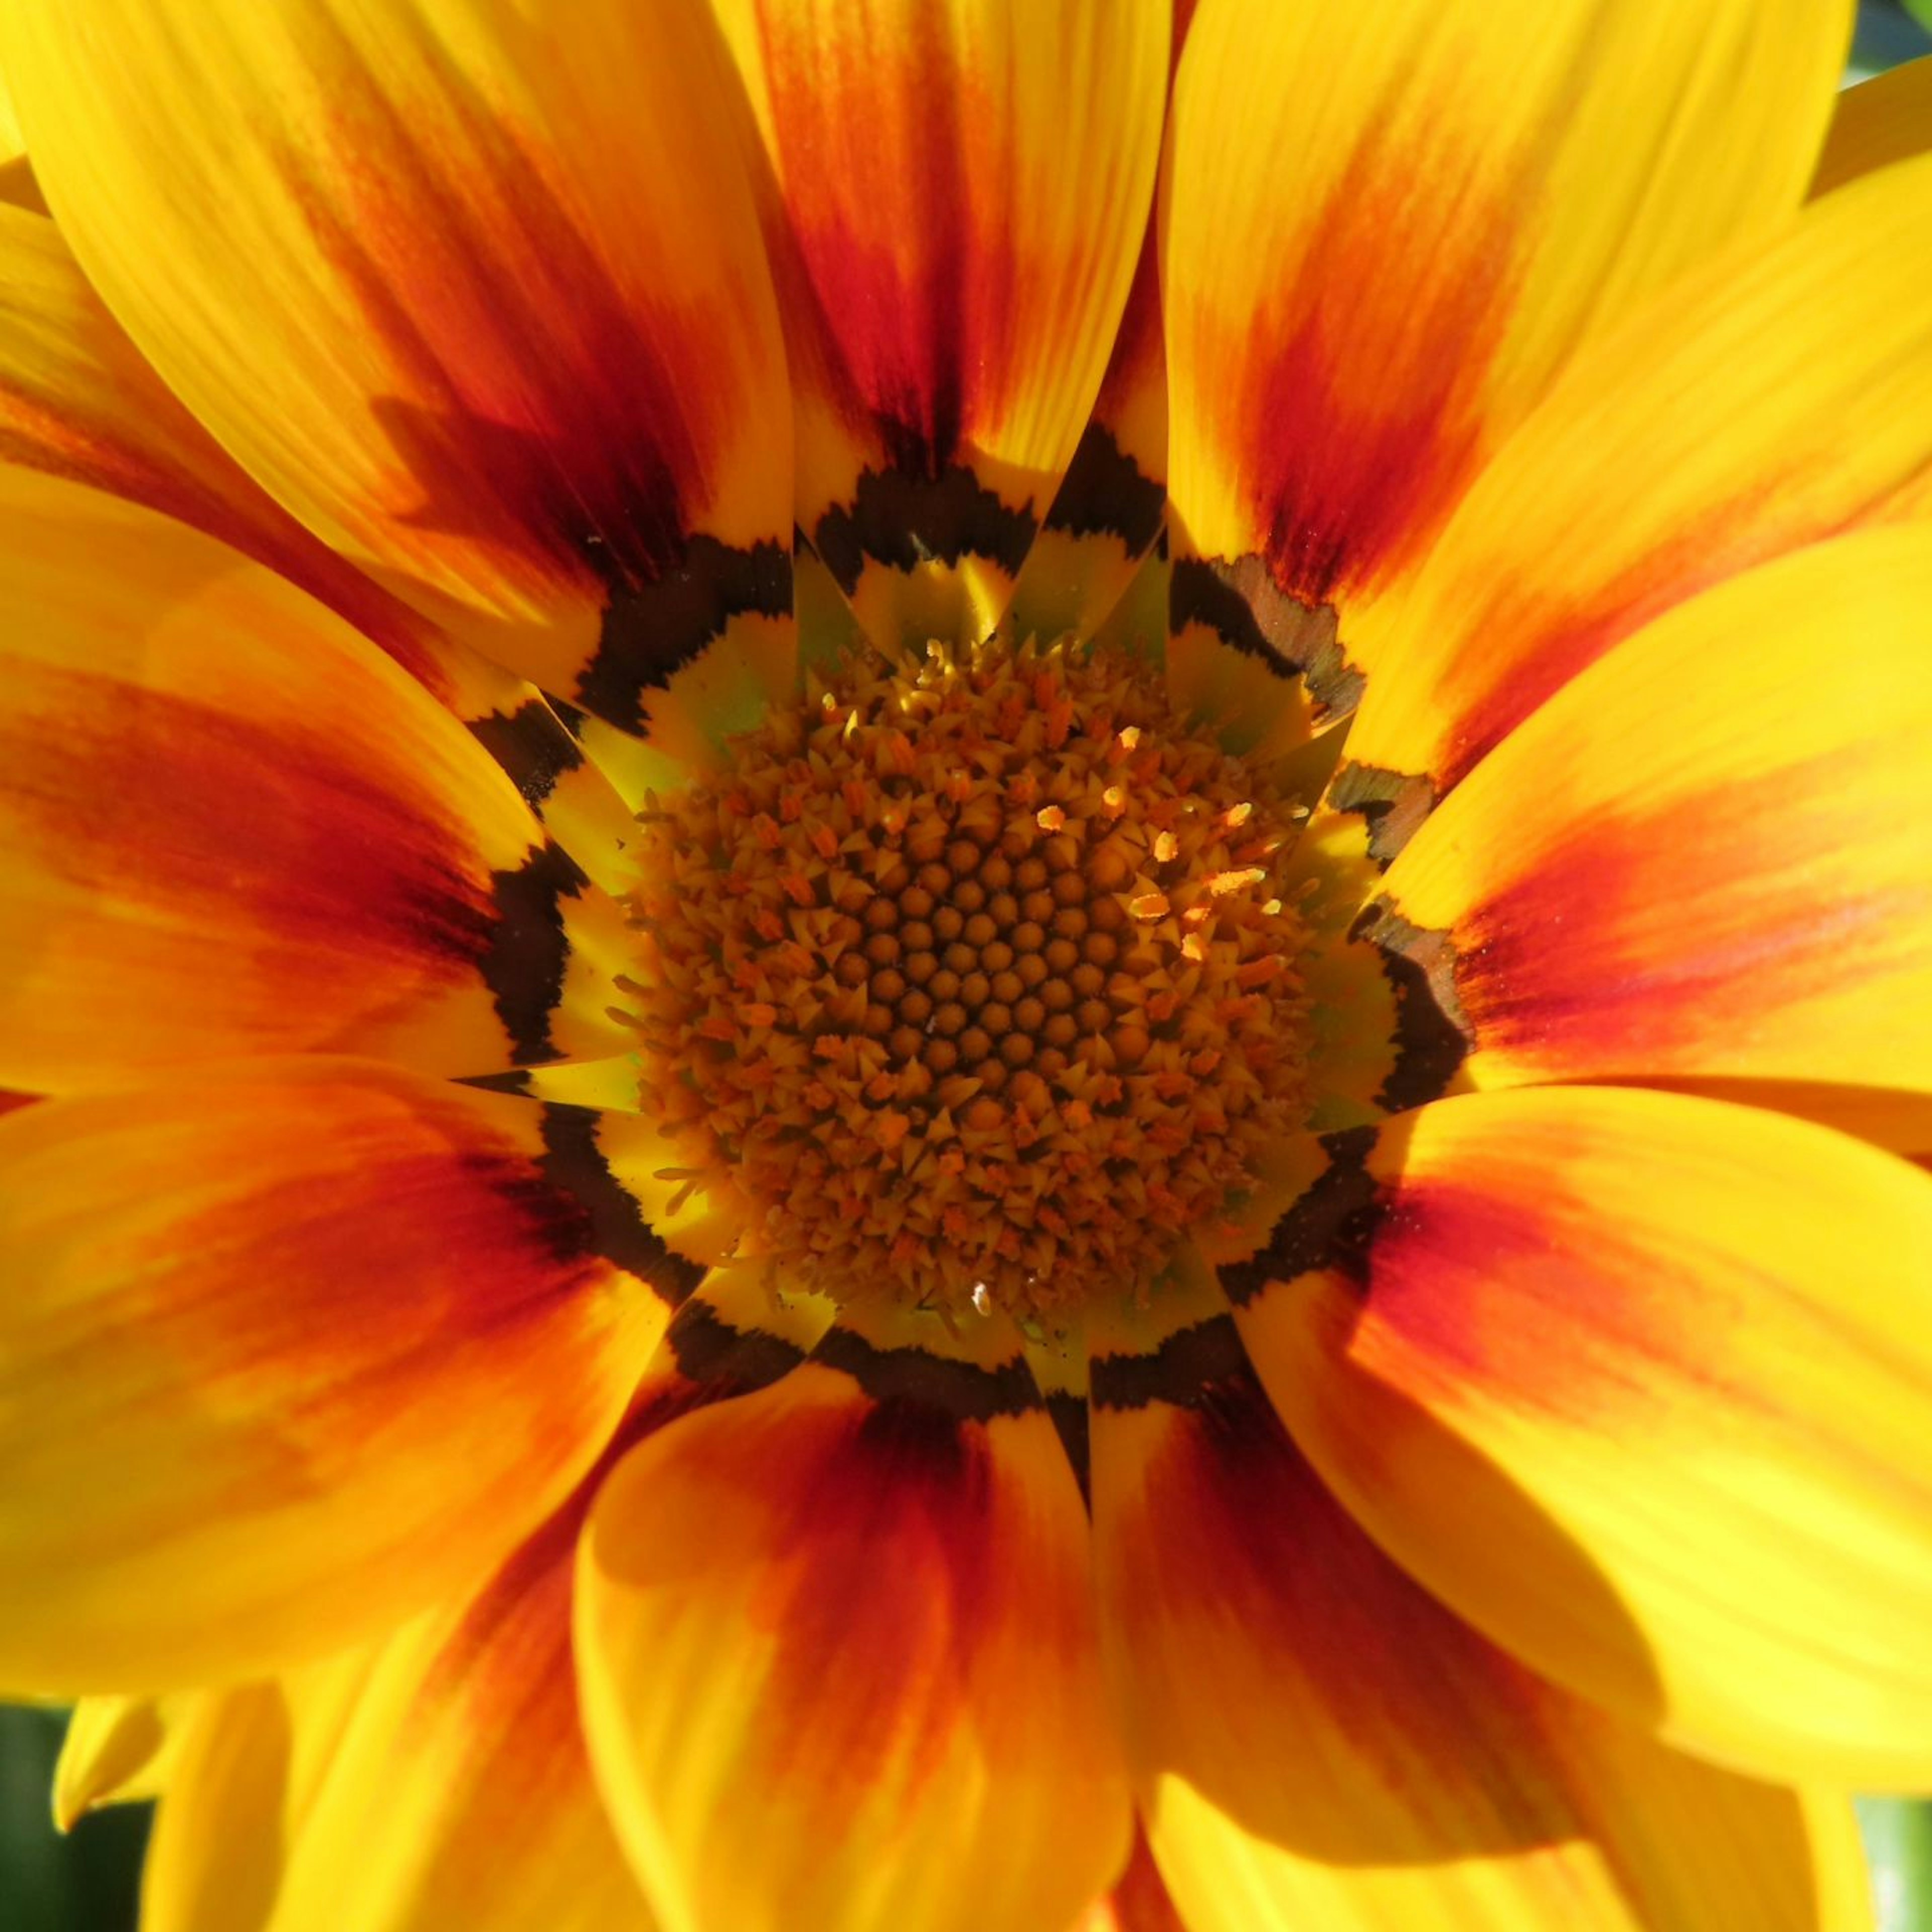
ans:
(1647, 936)
(418, 1244)
(351, 879)
(1357, 412)
(543, 411)
(915, 304)
(1315, 1651)
(889, 1588)
(1522, 645)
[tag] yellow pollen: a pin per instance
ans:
(976, 986)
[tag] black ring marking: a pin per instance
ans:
(532, 745)
(1069, 1413)
(900, 518)
(1330, 1227)
(574, 1163)
(1391, 804)
(1433, 1033)
(523, 964)
(1189, 1361)
(1240, 602)
(960, 1390)
(707, 1349)
(1104, 493)
(651, 631)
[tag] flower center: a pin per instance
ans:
(978, 983)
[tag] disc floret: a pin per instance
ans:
(977, 982)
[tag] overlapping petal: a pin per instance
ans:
(1884, 119)
(485, 306)
(1783, 398)
(288, 1354)
(78, 399)
(1637, 1383)
(235, 827)
(1317, 1742)
(117, 1749)
(839, 1655)
(958, 193)
(252, 1759)
(458, 1793)
(1706, 857)
(1387, 228)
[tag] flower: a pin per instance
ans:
(1195, 1116)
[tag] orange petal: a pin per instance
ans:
(1138, 1901)
(486, 309)
(78, 399)
(1783, 398)
(959, 188)
(1703, 859)
(1386, 228)
(291, 1351)
(1638, 1384)
(894, 1542)
(1318, 1743)
(236, 828)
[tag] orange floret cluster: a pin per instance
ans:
(978, 983)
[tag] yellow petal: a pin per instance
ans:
(18, 187)
(485, 306)
(1704, 858)
(959, 189)
(1386, 228)
(118, 1748)
(289, 1352)
(1638, 1384)
(251, 1760)
(1886, 119)
(1783, 398)
(1112, 502)
(1318, 1742)
(905, 1726)
(78, 399)
(458, 1794)
(235, 828)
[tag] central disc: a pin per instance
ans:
(977, 984)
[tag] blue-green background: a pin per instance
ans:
(88, 1881)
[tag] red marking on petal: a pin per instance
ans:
(1139, 348)
(898, 1559)
(1359, 419)
(878, 1528)
(1648, 933)
(915, 298)
(447, 1244)
(1727, 538)
(99, 454)
(519, 1621)
(566, 428)
(1241, 1522)
(157, 801)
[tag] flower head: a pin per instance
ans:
(966, 958)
